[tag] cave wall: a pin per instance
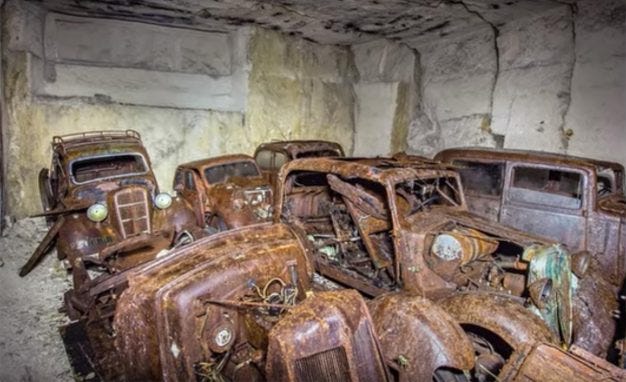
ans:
(552, 82)
(191, 94)
(299, 90)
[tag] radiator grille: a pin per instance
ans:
(133, 213)
(328, 366)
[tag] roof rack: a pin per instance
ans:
(63, 142)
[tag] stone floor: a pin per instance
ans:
(30, 345)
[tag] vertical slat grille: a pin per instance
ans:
(328, 366)
(132, 209)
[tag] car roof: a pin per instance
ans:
(97, 143)
(379, 169)
(528, 156)
(297, 146)
(214, 161)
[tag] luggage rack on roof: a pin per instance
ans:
(89, 137)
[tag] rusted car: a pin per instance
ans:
(549, 363)
(226, 192)
(577, 201)
(230, 307)
(382, 225)
(272, 155)
(107, 214)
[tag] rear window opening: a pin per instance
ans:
(222, 173)
(109, 166)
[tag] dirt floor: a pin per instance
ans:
(30, 345)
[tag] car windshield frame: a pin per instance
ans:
(457, 188)
(225, 178)
(72, 163)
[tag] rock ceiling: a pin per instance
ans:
(323, 21)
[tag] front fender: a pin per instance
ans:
(500, 315)
(419, 337)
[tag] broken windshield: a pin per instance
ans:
(85, 170)
(425, 193)
(221, 173)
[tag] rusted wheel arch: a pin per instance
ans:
(500, 315)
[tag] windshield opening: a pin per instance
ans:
(221, 173)
(423, 194)
(109, 166)
(319, 154)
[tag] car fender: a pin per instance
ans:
(419, 337)
(499, 314)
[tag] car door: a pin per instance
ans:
(547, 202)
(482, 183)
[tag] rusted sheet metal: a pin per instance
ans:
(164, 320)
(303, 148)
(499, 314)
(335, 341)
(595, 222)
(544, 362)
(102, 196)
(418, 337)
(228, 191)
(383, 224)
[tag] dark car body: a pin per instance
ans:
(382, 225)
(226, 192)
(577, 201)
(272, 155)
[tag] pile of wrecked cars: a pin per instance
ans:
(369, 270)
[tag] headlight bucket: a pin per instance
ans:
(97, 212)
(163, 200)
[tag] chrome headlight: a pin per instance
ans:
(163, 200)
(97, 212)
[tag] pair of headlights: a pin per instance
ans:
(98, 212)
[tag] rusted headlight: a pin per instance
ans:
(222, 337)
(163, 200)
(97, 212)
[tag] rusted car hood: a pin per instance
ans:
(161, 295)
(97, 191)
(614, 205)
(435, 219)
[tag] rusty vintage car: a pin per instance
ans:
(239, 306)
(272, 155)
(106, 214)
(383, 225)
(246, 305)
(577, 201)
(226, 191)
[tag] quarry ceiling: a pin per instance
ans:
(323, 21)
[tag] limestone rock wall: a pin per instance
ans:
(555, 81)
(299, 90)
(386, 96)
(191, 94)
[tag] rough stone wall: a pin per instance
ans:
(55, 85)
(224, 93)
(553, 82)
(386, 96)
(299, 90)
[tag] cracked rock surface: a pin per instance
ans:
(324, 21)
